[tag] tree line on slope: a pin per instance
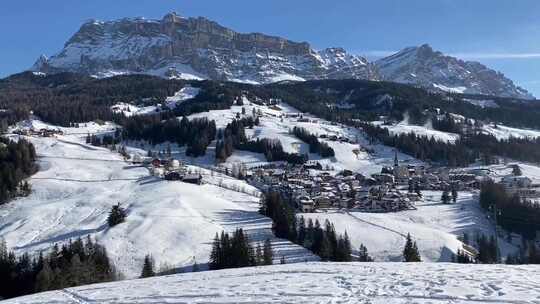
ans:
(17, 162)
(235, 251)
(513, 213)
(322, 241)
(77, 263)
(315, 145)
(234, 137)
(196, 133)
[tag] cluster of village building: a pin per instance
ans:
(41, 132)
(393, 189)
(168, 168)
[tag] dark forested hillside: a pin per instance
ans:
(66, 98)
(69, 98)
(17, 162)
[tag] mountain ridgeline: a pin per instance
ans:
(198, 48)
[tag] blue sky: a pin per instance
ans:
(504, 35)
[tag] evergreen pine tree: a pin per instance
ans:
(363, 255)
(116, 216)
(44, 278)
(259, 254)
(268, 254)
(454, 195)
(215, 255)
(148, 267)
(445, 197)
(410, 252)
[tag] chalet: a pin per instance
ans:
(174, 164)
(173, 176)
(323, 201)
(312, 165)
(157, 171)
(512, 183)
(192, 179)
(383, 178)
(156, 162)
(136, 159)
(307, 205)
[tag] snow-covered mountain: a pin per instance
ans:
(318, 283)
(424, 67)
(197, 48)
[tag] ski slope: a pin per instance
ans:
(434, 226)
(405, 128)
(503, 132)
(77, 185)
(374, 283)
(277, 122)
(170, 102)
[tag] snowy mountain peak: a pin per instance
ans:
(172, 17)
(41, 63)
(425, 67)
(198, 48)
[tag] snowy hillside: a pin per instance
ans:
(426, 130)
(171, 102)
(175, 222)
(377, 283)
(277, 121)
(504, 132)
(434, 226)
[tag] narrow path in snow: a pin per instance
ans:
(377, 225)
(86, 181)
(75, 297)
(79, 158)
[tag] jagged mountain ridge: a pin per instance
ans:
(197, 48)
(424, 67)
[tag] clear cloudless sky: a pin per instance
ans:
(503, 34)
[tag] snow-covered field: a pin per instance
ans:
(435, 227)
(276, 122)
(405, 128)
(171, 102)
(175, 222)
(375, 283)
(503, 132)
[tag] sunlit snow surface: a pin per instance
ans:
(375, 283)
(77, 184)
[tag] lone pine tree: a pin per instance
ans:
(410, 252)
(116, 216)
(148, 267)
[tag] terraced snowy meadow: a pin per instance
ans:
(175, 222)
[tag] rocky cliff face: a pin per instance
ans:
(198, 48)
(424, 67)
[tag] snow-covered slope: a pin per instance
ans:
(277, 121)
(426, 130)
(171, 102)
(504, 132)
(197, 48)
(430, 69)
(434, 226)
(175, 222)
(376, 283)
